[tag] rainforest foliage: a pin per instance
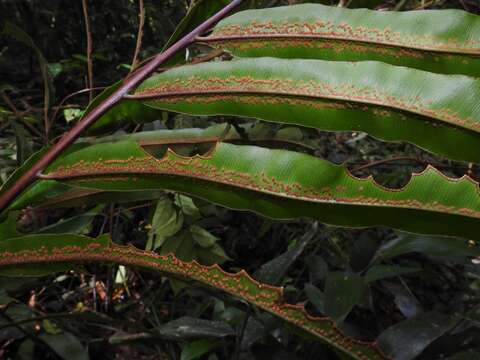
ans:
(301, 182)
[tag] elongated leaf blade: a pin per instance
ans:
(436, 246)
(62, 196)
(280, 184)
(445, 41)
(34, 246)
(48, 250)
(196, 349)
(436, 112)
(379, 272)
(406, 340)
(166, 221)
(275, 270)
(342, 292)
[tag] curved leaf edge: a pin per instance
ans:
(196, 88)
(69, 172)
(48, 249)
(214, 38)
(265, 88)
(228, 28)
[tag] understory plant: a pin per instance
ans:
(242, 127)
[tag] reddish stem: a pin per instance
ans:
(89, 49)
(129, 84)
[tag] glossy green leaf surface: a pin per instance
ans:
(66, 346)
(31, 246)
(166, 221)
(280, 184)
(436, 112)
(196, 349)
(274, 271)
(406, 340)
(446, 41)
(436, 246)
(405, 301)
(379, 272)
(316, 297)
(342, 292)
(62, 250)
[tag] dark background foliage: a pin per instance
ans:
(369, 280)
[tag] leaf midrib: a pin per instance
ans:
(102, 174)
(151, 95)
(464, 51)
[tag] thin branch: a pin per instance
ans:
(142, 206)
(40, 318)
(380, 162)
(79, 92)
(138, 45)
(141, 63)
(465, 7)
(399, 6)
(89, 47)
(130, 84)
(46, 106)
(18, 115)
(429, 4)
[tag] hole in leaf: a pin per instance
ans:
(159, 151)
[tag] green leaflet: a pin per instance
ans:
(38, 250)
(36, 193)
(34, 247)
(52, 194)
(445, 41)
(436, 112)
(280, 184)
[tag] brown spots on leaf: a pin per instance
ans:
(253, 91)
(240, 285)
(205, 168)
(245, 44)
(344, 31)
